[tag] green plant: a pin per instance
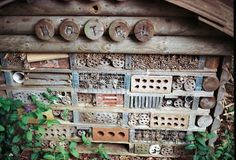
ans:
(62, 153)
(225, 150)
(101, 151)
(198, 143)
(16, 131)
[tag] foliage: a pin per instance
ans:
(101, 151)
(16, 131)
(198, 143)
(225, 150)
(61, 152)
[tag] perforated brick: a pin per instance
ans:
(144, 101)
(109, 100)
(111, 134)
(24, 95)
(100, 118)
(151, 84)
(57, 131)
(169, 121)
(141, 148)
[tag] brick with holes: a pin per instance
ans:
(151, 84)
(111, 134)
(173, 121)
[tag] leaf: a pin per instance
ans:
(196, 157)
(29, 136)
(41, 130)
(203, 134)
(25, 119)
(74, 153)
(11, 129)
(2, 128)
(85, 140)
(15, 149)
(201, 141)
(72, 145)
(13, 117)
(190, 147)
(16, 139)
(211, 135)
(34, 156)
(190, 137)
(49, 90)
(218, 153)
(49, 157)
(52, 122)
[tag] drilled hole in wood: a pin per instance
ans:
(111, 134)
(121, 134)
(95, 8)
(100, 133)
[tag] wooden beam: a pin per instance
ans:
(102, 7)
(157, 45)
(19, 25)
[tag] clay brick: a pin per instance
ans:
(169, 121)
(109, 100)
(151, 84)
(111, 134)
(141, 148)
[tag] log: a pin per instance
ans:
(47, 76)
(212, 62)
(219, 109)
(204, 121)
(24, 25)
(38, 82)
(211, 84)
(105, 7)
(216, 124)
(35, 57)
(208, 102)
(157, 45)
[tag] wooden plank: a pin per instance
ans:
(34, 57)
(24, 25)
(89, 8)
(157, 45)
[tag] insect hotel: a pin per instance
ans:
(134, 75)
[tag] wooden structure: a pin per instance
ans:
(138, 75)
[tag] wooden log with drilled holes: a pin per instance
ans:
(19, 25)
(212, 62)
(207, 102)
(157, 45)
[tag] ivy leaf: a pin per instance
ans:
(190, 147)
(29, 136)
(52, 122)
(72, 145)
(16, 139)
(15, 149)
(2, 128)
(49, 157)
(201, 141)
(190, 137)
(11, 129)
(25, 119)
(13, 117)
(41, 130)
(34, 156)
(85, 140)
(211, 135)
(74, 153)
